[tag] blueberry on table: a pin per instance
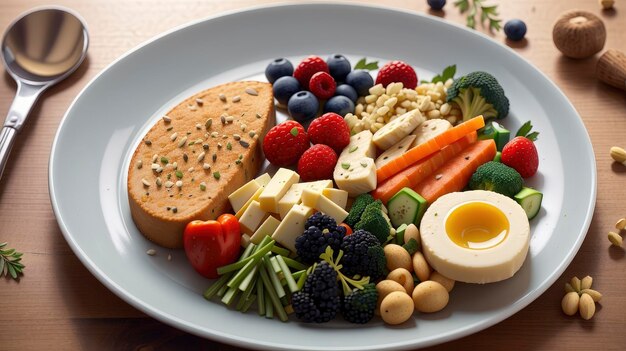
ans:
(303, 106)
(361, 81)
(347, 91)
(340, 105)
(284, 88)
(338, 66)
(515, 29)
(279, 67)
(436, 4)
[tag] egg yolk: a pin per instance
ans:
(477, 225)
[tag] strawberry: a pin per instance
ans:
(521, 154)
(322, 85)
(397, 71)
(317, 163)
(330, 129)
(285, 143)
(307, 68)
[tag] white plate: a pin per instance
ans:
(92, 147)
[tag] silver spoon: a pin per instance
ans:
(39, 49)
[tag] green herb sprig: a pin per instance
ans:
(525, 131)
(10, 262)
(448, 73)
(368, 66)
(489, 13)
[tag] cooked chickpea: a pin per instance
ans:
(403, 277)
(430, 296)
(397, 257)
(420, 266)
(386, 287)
(396, 308)
(411, 232)
(445, 281)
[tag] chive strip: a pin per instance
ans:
(293, 287)
(281, 251)
(269, 307)
(230, 295)
(294, 264)
(222, 290)
(296, 275)
(216, 286)
(301, 281)
(260, 293)
(248, 291)
(260, 252)
(242, 273)
(275, 265)
(273, 278)
(248, 303)
(249, 278)
(249, 249)
(240, 303)
(266, 239)
(272, 294)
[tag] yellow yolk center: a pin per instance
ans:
(477, 225)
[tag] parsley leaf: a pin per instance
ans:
(363, 64)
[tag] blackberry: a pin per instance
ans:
(363, 255)
(321, 221)
(319, 300)
(359, 306)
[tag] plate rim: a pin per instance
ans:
(173, 321)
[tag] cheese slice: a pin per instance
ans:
(324, 205)
(356, 176)
(361, 145)
(266, 229)
(397, 129)
(338, 196)
(292, 226)
(243, 208)
(263, 179)
(396, 150)
(241, 196)
(252, 218)
(276, 188)
(293, 195)
(430, 129)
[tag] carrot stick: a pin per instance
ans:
(455, 174)
(429, 147)
(417, 172)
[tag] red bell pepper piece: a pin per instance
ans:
(212, 244)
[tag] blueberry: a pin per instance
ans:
(284, 88)
(347, 91)
(338, 66)
(340, 105)
(361, 81)
(280, 67)
(303, 106)
(515, 29)
(436, 4)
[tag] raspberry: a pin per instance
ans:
(285, 143)
(322, 85)
(316, 163)
(330, 129)
(397, 71)
(307, 68)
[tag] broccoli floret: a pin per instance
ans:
(479, 93)
(374, 221)
(360, 304)
(357, 209)
(363, 255)
(497, 177)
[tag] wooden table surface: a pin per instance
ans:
(58, 304)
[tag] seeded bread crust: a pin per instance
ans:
(184, 143)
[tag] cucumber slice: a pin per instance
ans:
(400, 234)
(406, 207)
(494, 130)
(497, 157)
(530, 200)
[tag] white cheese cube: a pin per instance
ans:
(292, 196)
(252, 218)
(263, 179)
(356, 176)
(292, 226)
(361, 145)
(276, 188)
(242, 195)
(266, 229)
(338, 196)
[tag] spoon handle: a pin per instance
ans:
(7, 137)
